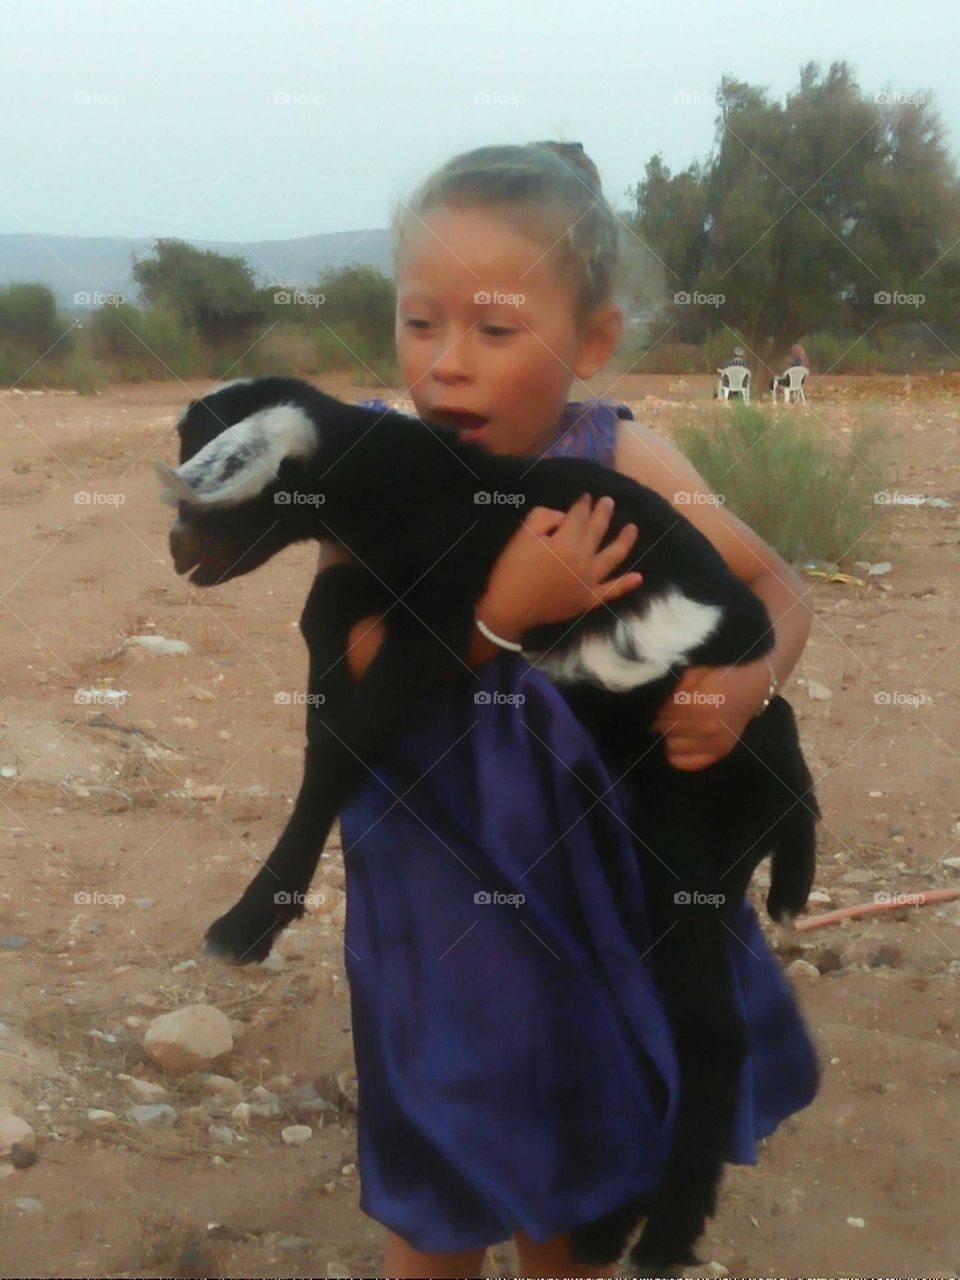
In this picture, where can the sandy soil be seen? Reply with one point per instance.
(125, 799)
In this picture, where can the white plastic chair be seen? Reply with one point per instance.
(796, 376)
(735, 380)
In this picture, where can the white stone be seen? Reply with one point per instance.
(188, 1039)
(818, 691)
(146, 1090)
(295, 1135)
(803, 969)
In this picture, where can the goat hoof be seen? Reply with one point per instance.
(241, 938)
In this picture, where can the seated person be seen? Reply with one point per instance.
(735, 359)
(797, 357)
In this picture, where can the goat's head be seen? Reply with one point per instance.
(239, 457)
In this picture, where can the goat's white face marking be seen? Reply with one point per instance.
(639, 647)
(242, 460)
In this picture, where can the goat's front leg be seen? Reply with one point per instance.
(341, 747)
(339, 597)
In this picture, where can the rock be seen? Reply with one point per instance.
(222, 1133)
(5, 1032)
(160, 644)
(295, 1135)
(12, 941)
(22, 1157)
(878, 569)
(221, 1087)
(28, 1205)
(185, 722)
(818, 896)
(189, 1038)
(952, 863)
(856, 1222)
(146, 1090)
(150, 1116)
(818, 691)
(803, 969)
(13, 1129)
(102, 1119)
(347, 1087)
(293, 1244)
(241, 1114)
(858, 876)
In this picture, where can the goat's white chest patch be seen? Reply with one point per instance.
(244, 459)
(637, 648)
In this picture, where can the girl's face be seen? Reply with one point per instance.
(485, 327)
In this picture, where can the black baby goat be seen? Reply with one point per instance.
(269, 462)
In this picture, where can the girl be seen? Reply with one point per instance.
(514, 1062)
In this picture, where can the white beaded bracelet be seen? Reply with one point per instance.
(495, 639)
(774, 684)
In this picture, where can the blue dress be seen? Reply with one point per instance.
(515, 1066)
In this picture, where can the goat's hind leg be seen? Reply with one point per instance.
(339, 597)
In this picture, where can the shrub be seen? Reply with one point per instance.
(806, 498)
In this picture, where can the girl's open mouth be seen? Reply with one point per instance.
(469, 426)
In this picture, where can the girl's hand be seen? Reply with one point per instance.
(551, 569)
(708, 710)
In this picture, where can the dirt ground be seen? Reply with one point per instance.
(168, 795)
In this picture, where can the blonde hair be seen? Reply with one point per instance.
(549, 191)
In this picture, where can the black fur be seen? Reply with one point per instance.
(400, 496)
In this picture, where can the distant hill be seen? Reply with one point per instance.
(91, 264)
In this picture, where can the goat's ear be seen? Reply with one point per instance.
(243, 460)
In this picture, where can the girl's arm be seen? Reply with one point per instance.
(703, 729)
(551, 569)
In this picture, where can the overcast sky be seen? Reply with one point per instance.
(268, 119)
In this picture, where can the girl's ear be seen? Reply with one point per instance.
(600, 337)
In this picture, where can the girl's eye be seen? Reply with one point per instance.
(417, 324)
(497, 331)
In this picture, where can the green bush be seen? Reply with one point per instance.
(807, 499)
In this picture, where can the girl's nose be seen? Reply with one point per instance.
(452, 364)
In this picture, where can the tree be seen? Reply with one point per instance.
(806, 211)
(212, 293)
